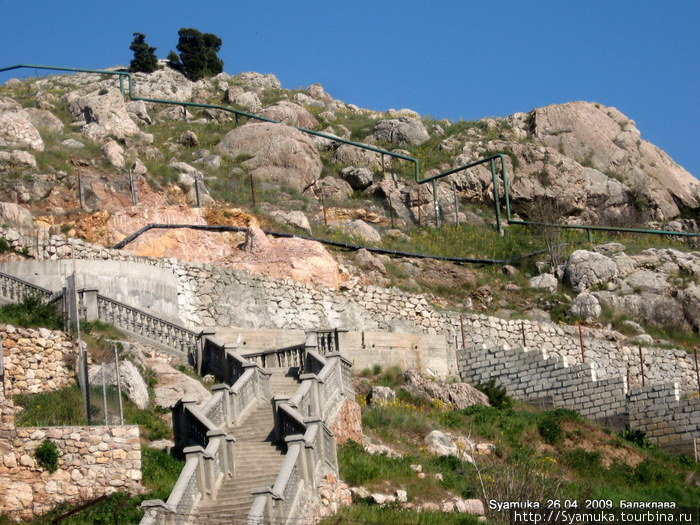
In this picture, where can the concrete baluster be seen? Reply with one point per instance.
(203, 480)
(230, 447)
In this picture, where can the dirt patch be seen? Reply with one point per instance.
(593, 439)
(336, 215)
(229, 217)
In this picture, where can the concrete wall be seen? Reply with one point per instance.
(417, 351)
(425, 353)
(142, 285)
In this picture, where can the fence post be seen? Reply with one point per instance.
(119, 385)
(641, 364)
(583, 349)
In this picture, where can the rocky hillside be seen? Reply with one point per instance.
(76, 156)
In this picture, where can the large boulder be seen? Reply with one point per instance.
(247, 100)
(296, 219)
(17, 131)
(361, 231)
(585, 306)
(130, 379)
(332, 188)
(291, 114)
(647, 281)
(16, 159)
(585, 269)
(172, 385)
(348, 155)
(256, 82)
(104, 114)
(461, 395)
(276, 153)
(44, 119)
(358, 178)
(380, 395)
(610, 142)
(545, 281)
(165, 84)
(15, 216)
(402, 132)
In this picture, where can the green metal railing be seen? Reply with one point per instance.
(491, 160)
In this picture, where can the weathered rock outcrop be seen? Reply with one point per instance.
(290, 113)
(104, 114)
(274, 152)
(656, 286)
(402, 132)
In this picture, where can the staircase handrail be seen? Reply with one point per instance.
(171, 334)
(29, 287)
(288, 356)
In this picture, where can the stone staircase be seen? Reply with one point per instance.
(258, 458)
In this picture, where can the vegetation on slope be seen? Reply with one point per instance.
(539, 455)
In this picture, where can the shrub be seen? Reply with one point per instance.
(47, 455)
(550, 430)
(636, 437)
(496, 394)
(582, 461)
(32, 312)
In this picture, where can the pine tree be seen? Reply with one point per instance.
(145, 60)
(174, 60)
(212, 44)
(198, 53)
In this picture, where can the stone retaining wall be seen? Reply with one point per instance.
(665, 418)
(36, 360)
(93, 461)
(533, 375)
(217, 296)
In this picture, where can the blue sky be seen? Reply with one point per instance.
(453, 59)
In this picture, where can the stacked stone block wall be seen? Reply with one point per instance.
(533, 375)
(36, 360)
(217, 296)
(667, 419)
(92, 461)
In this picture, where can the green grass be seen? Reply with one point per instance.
(358, 467)
(538, 455)
(374, 515)
(32, 312)
(65, 407)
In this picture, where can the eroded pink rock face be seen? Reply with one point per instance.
(183, 244)
(297, 259)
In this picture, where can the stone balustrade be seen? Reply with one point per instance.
(143, 324)
(16, 289)
(204, 471)
(311, 448)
